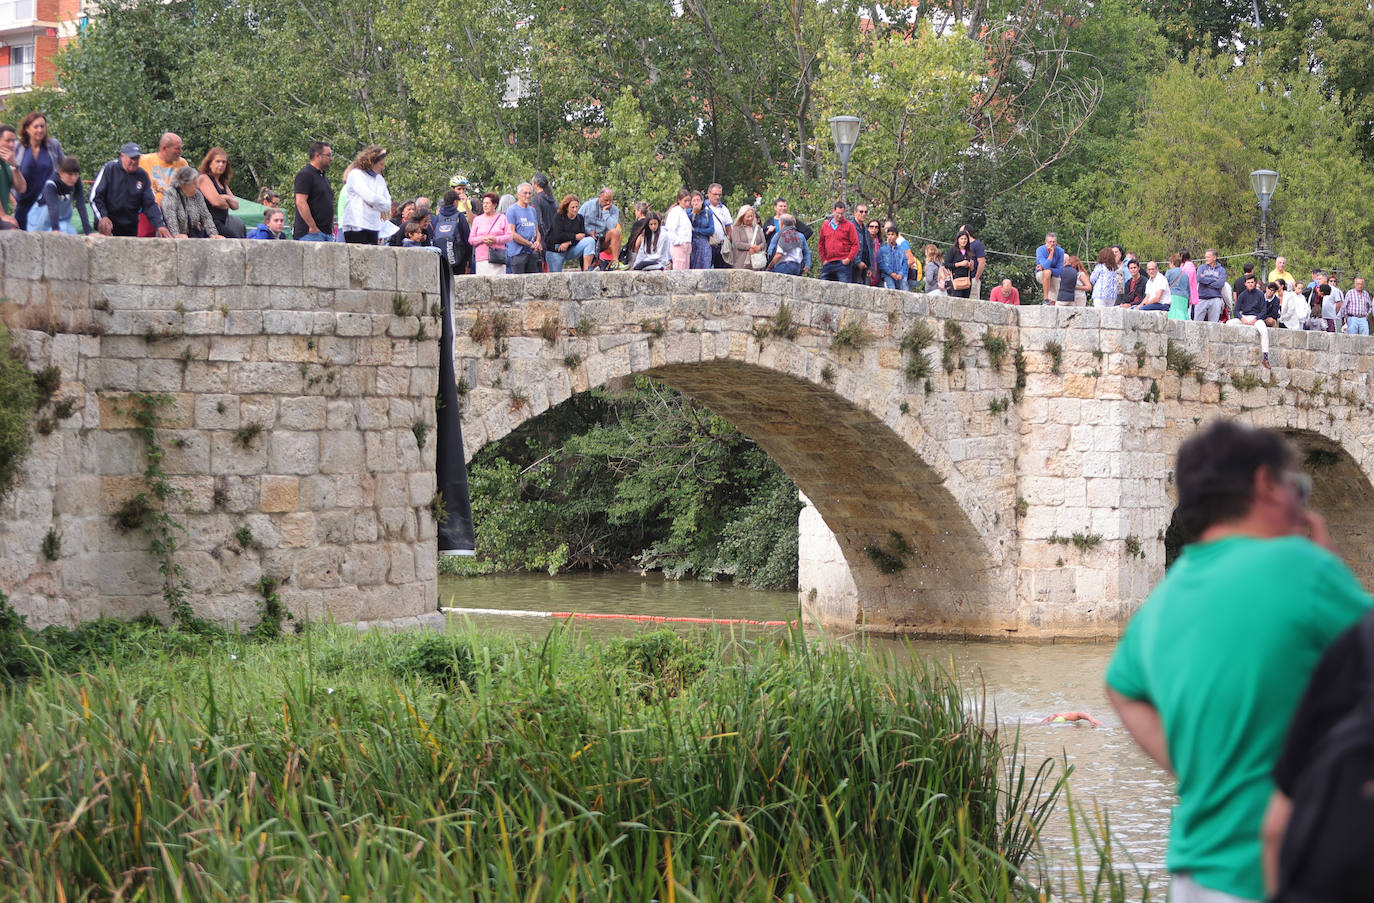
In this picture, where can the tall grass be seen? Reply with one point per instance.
(336, 766)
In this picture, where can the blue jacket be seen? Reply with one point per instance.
(261, 231)
(893, 259)
(1210, 280)
(703, 223)
(122, 196)
(1054, 264)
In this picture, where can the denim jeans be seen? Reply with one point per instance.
(889, 282)
(584, 248)
(314, 236)
(1357, 325)
(835, 271)
(788, 268)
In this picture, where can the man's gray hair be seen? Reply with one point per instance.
(1049, 235)
(714, 185)
(524, 185)
(787, 220)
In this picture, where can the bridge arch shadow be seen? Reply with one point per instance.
(871, 453)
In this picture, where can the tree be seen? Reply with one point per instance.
(912, 94)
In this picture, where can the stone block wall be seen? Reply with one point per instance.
(298, 425)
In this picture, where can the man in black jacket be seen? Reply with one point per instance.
(121, 192)
(1251, 307)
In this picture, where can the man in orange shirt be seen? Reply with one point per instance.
(159, 167)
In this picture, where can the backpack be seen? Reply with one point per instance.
(1326, 848)
(445, 231)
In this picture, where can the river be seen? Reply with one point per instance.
(1023, 684)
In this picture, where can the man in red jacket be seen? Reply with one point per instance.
(838, 244)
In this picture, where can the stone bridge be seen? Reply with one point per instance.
(1009, 475)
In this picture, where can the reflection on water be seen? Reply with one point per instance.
(1023, 683)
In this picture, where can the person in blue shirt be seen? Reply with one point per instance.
(525, 249)
(893, 263)
(1049, 264)
(57, 199)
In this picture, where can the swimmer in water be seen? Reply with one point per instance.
(1068, 717)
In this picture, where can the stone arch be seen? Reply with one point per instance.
(1342, 470)
(886, 463)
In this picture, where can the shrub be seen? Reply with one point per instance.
(17, 401)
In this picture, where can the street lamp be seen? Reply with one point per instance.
(844, 131)
(1264, 181)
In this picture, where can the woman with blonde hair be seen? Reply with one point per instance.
(936, 275)
(366, 198)
(746, 237)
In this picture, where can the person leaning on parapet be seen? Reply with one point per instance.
(1261, 579)
(789, 252)
(1156, 289)
(184, 209)
(160, 166)
(1006, 293)
(1211, 277)
(314, 197)
(122, 192)
(1049, 265)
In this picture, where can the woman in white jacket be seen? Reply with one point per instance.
(367, 202)
(677, 229)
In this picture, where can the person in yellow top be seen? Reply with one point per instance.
(1280, 271)
(159, 167)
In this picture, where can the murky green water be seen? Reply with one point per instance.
(1023, 683)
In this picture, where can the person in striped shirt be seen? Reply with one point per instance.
(1355, 308)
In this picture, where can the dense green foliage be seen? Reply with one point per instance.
(337, 765)
(646, 477)
(1015, 116)
(17, 399)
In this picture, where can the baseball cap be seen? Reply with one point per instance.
(131, 150)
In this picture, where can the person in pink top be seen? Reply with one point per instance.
(490, 231)
(1005, 293)
(1190, 270)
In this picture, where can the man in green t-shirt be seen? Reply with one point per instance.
(1209, 671)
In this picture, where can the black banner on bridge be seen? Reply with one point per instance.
(456, 536)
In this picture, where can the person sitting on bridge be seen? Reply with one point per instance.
(1251, 306)
(651, 245)
(788, 252)
(1049, 265)
(602, 219)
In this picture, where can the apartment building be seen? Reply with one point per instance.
(31, 33)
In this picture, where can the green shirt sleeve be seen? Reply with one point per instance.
(1124, 673)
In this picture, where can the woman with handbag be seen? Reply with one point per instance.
(488, 236)
(746, 237)
(961, 263)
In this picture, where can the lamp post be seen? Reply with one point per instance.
(844, 131)
(1264, 181)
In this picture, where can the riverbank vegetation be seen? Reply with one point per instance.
(642, 478)
(336, 765)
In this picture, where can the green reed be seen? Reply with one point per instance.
(338, 766)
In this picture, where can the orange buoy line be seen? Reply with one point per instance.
(591, 616)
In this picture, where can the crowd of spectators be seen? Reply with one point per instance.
(159, 193)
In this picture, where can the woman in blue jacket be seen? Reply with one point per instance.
(38, 158)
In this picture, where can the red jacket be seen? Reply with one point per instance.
(838, 244)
